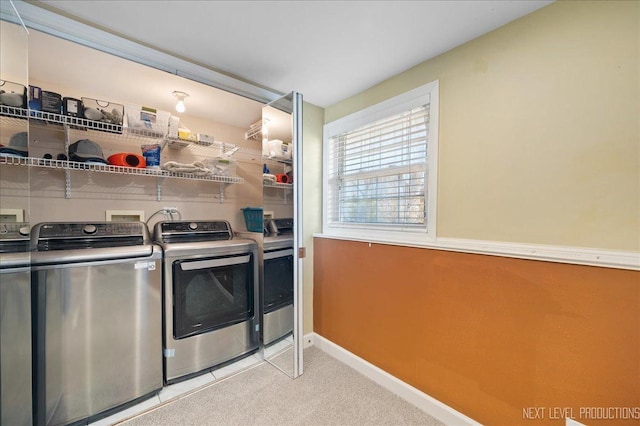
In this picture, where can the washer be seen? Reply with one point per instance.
(277, 286)
(15, 325)
(210, 296)
(98, 335)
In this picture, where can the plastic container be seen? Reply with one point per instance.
(221, 166)
(72, 107)
(151, 154)
(278, 149)
(146, 120)
(51, 102)
(104, 111)
(35, 98)
(13, 94)
(254, 219)
(174, 125)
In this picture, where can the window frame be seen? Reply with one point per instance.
(392, 106)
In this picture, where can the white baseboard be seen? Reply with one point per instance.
(426, 403)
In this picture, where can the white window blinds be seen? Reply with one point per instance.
(377, 174)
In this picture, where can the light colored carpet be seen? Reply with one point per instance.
(328, 393)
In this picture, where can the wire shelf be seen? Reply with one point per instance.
(10, 111)
(42, 117)
(74, 165)
(278, 160)
(105, 132)
(116, 134)
(176, 143)
(278, 185)
(255, 131)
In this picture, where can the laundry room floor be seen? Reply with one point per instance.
(328, 393)
(181, 389)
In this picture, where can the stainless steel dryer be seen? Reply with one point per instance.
(277, 285)
(210, 296)
(98, 345)
(15, 325)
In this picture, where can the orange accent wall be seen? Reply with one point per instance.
(489, 336)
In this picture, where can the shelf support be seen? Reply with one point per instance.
(159, 188)
(67, 172)
(67, 183)
(222, 187)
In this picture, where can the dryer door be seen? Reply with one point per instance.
(212, 293)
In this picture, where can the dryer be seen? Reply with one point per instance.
(210, 296)
(277, 286)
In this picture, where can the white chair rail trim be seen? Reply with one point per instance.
(548, 253)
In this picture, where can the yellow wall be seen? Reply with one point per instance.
(539, 143)
(539, 128)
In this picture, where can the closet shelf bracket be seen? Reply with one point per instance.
(159, 183)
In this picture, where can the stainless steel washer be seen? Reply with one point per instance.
(15, 325)
(210, 296)
(98, 345)
(277, 285)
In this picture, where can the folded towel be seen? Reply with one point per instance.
(195, 168)
(268, 178)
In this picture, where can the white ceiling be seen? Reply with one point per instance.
(79, 71)
(326, 50)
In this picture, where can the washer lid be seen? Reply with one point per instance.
(278, 242)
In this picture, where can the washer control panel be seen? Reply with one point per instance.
(102, 229)
(88, 235)
(188, 231)
(14, 231)
(14, 237)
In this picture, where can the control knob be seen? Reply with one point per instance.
(193, 226)
(89, 229)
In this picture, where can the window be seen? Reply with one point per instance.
(380, 169)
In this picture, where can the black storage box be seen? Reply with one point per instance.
(51, 102)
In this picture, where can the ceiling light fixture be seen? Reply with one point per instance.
(180, 97)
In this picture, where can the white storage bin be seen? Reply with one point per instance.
(146, 120)
(221, 166)
(278, 150)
